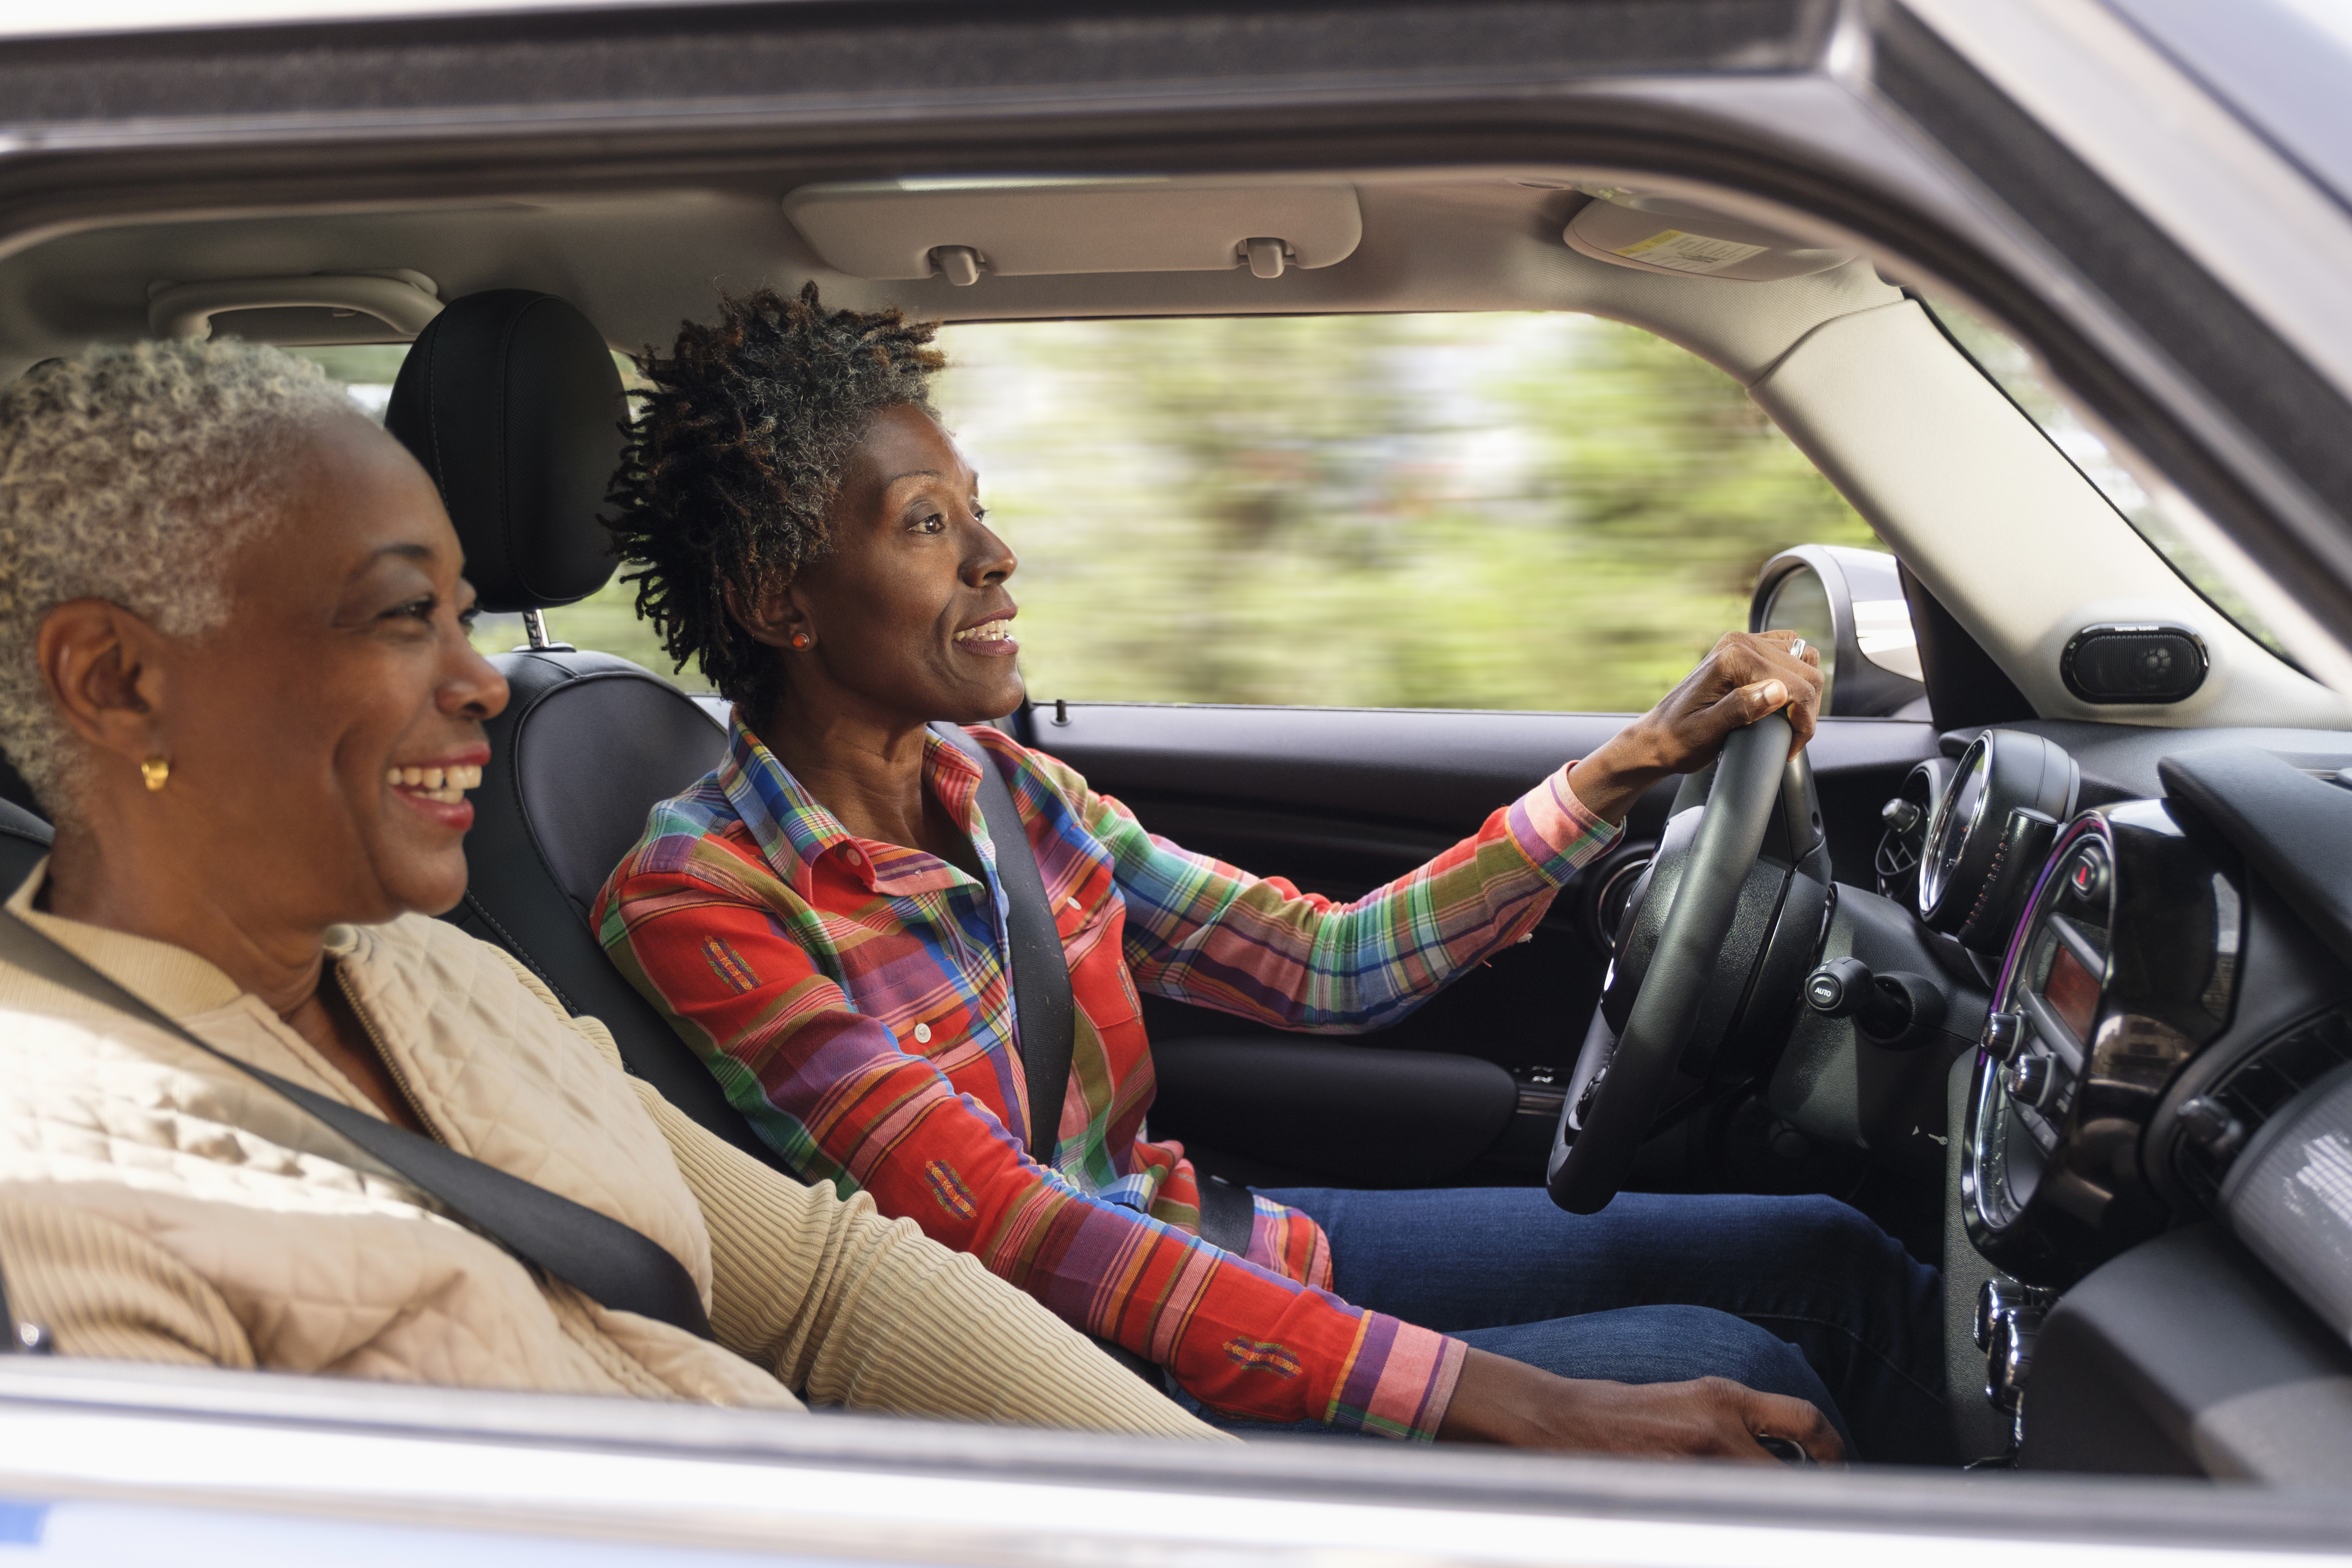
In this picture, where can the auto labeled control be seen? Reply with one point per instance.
(1895, 1009)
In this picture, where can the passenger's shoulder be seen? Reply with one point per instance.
(486, 981)
(479, 969)
(699, 833)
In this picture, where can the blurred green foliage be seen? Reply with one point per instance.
(1543, 512)
(1475, 510)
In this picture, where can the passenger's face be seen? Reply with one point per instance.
(908, 609)
(344, 675)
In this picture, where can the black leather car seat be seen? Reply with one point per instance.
(23, 839)
(511, 402)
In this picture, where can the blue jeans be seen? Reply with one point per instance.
(1799, 1296)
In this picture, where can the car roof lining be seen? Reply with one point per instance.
(638, 262)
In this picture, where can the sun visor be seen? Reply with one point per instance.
(1657, 233)
(892, 230)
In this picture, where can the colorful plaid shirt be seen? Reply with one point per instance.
(853, 999)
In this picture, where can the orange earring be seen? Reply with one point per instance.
(801, 639)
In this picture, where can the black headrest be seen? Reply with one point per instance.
(23, 839)
(510, 400)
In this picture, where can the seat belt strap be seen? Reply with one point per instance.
(1228, 1215)
(1044, 1015)
(612, 1264)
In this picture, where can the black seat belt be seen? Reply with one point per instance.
(1045, 1017)
(612, 1264)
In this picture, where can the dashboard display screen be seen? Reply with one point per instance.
(2072, 991)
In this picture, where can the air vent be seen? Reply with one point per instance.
(1609, 885)
(2254, 1090)
(1896, 864)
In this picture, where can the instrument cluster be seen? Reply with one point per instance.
(2168, 1034)
(2117, 937)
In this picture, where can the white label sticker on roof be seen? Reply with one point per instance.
(1688, 252)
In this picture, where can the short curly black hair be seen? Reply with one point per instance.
(736, 455)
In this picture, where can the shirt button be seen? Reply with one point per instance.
(852, 856)
(922, 1034)
(1074, 903)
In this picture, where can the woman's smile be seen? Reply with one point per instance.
(438, 788)
(992, 636)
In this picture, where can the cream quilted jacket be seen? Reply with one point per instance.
(157, 1205)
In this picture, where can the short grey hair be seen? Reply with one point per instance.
(131, 473)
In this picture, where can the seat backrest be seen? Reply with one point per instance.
(23, 839)
(511, 402)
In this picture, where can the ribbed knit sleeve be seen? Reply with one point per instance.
(847, 1308)
(105, 1292)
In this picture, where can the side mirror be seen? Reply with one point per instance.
(1848, 603)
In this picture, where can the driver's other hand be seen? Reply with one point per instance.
(1498, 1400)
(1748, 675)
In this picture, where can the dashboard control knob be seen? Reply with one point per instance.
(1828, 987)
(2207, 1122)
(1901, 814)
(2028, 1081)
(1890, 1010)
(2002, 1033)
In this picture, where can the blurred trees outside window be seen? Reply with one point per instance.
(1463, 511)
(1471, 510)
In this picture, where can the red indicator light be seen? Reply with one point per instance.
(2085, 877)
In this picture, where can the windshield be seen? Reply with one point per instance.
(2011, 366)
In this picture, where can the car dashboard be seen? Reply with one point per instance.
(2154, 1157)
(2122, 970)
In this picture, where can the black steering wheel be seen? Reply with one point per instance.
(1611, 1101)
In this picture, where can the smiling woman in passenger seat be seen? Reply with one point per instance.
(820, 919)
(233, 665)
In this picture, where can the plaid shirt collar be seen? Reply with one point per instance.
(795, 832)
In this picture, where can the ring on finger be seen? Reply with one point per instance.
(1797, 648)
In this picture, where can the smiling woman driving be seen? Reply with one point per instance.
(256, 1109)
(823, 921)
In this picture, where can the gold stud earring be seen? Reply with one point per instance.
(156, 771)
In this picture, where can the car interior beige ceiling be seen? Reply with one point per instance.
(636, 263)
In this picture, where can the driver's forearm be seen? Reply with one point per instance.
(1617, 773)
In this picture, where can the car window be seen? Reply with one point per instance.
(1460, 510)
(366, 370)
(2011, 367)
(606, 620)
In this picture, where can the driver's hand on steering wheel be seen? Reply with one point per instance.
(1498, 1400)
(1748, 675)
